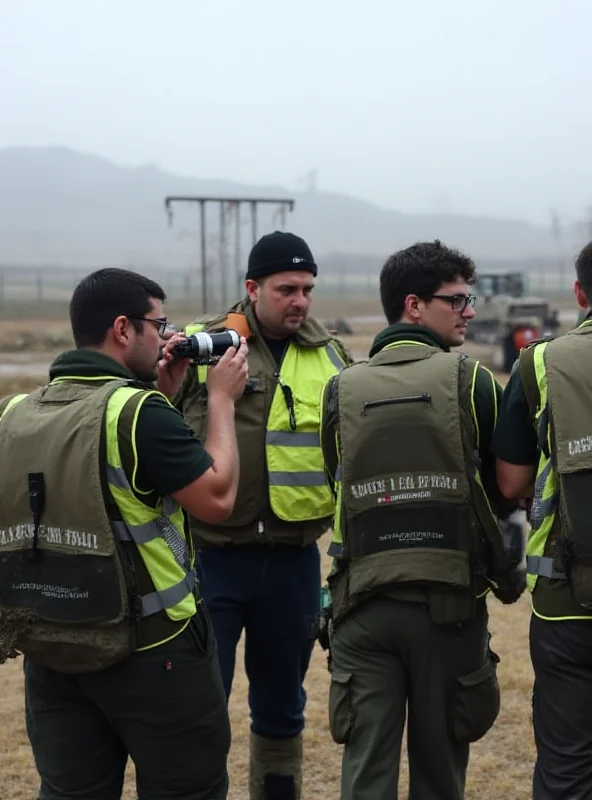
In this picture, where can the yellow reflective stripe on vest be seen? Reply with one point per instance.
(544, 503)
(335, 549)
(298, 487)
(12, 402)
(159, 534)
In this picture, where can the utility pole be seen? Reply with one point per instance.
(235, 203)
(557, 234)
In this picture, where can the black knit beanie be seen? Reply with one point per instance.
(279, 252)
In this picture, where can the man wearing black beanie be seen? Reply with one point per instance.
(260, 570)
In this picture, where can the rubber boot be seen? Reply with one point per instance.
(275, 768)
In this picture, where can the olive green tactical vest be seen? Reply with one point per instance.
(557, 380)
(277, 424)
(411, 507)
(88, 571)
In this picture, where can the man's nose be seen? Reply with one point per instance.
(300, 300)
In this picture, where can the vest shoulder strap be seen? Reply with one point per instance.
(126, 436)
(528, 377)
(9, 401)
(233, 320)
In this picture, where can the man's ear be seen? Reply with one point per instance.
(120, 330)
(581, 298)
(412, 307)
(252, 288)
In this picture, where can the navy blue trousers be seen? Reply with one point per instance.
(273, 593)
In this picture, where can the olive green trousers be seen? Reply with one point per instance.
(391, 662)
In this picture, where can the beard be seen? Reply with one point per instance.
(145, 373)
(147, 376)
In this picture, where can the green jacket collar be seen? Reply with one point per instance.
(311, 333)
(402, 331)
(86, 364)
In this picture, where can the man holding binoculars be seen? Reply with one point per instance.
(98, 581)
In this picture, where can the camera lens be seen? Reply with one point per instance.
(207, 347)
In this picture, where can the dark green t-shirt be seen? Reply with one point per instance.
(169, 455)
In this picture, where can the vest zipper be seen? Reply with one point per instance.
(424, 397)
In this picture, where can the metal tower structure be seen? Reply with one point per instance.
(229, 207)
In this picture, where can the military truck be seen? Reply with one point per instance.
(508, 318)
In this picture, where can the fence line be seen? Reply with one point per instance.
(36, 285)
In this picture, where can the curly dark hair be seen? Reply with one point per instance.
(421, 269)
(584, 270)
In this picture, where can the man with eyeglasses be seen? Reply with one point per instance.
(416, 544)
(98, 582)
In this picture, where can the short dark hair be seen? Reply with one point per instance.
(584, 270)
(103, 296)
(420, 269)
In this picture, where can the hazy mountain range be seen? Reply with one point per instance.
(59, 206)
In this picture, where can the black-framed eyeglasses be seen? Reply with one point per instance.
(162, 323)
(459, 302)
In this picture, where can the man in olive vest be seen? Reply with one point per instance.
(260, 569)
(97, 569)
(543, 445)
(416, 546)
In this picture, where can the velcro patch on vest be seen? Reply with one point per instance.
(391, 528)
(72, 588)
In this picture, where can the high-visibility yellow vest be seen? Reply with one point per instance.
(556, 379)
(298, 490)
(157, 532)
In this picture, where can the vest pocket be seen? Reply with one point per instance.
(476, 702)
(341, 715)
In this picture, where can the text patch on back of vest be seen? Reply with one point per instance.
(393, 528)
(62, 587)
(406, 486)
(60, 536)
(576, 447)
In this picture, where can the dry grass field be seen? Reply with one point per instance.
(501, 763)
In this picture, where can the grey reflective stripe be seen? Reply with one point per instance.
(138, 534)
(117, 476)
(297, 479)
(159, 601)
(549, 505)
(543, 566)
(293, 439)
(338, 473)
(334, 357)
(335, 550)
(169, 506)
(539, 507)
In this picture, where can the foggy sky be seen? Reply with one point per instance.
(478, 106)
